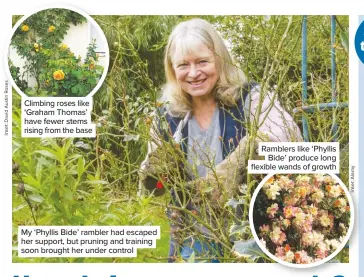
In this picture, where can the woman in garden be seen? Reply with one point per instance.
(202, 136)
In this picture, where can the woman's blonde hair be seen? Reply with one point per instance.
(231, 78)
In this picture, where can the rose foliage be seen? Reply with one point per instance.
(55, 68)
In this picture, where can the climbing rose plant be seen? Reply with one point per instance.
(301, 219)
(56, 69)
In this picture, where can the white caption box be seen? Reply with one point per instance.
(85, 241)
(297, 157)
(57, 117)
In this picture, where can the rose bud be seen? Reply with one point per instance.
(15, 167)
(20, 189)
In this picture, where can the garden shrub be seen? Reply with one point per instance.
(57, 71)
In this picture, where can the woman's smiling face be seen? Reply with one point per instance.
(195, 69)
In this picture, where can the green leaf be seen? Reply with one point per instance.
(96, 182)
(208, 189)
(165, 126)
(76, 220)
(67, 194)
(66, 147)
(91, 81)
(21, 206)
(136, 122)
(83, 145)
(73, 157)
(191, 258)
(55, 196)
(74, 89)
(130, 137)
(38, 171)
(30, 180)
(90, 177)
(344, 40)
(45, 162)
(80, 167)
(107, 216)
(36, 198)
(248, 249)
(76, 74)
(242, 228)
(82, 90)
(30, 188)
(233, 203)
(48, 153)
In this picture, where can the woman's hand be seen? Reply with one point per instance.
(162, 166)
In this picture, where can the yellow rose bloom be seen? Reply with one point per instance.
(36, 45)
(25, 28)
(58, 75)
(51, 28)
(63, 46)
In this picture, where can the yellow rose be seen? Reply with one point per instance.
(63, 46)
(36, 45)
(51, 28)
(58, 75)
(25, 28)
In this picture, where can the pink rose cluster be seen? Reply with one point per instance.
(306, 217)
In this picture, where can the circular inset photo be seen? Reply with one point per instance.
(57, 52)
(301, 220)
